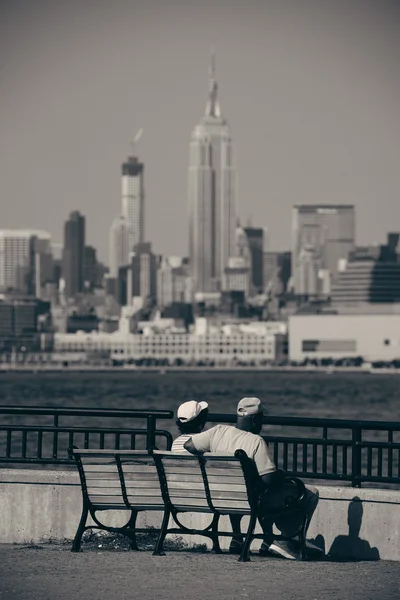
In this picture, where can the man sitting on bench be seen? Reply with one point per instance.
(245, 436)
(191, 419)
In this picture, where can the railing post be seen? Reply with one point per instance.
(55, 437)
(356, 457)
(151, 432)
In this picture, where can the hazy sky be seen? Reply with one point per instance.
(310, 88)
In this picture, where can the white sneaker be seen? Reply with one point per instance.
(283, 549)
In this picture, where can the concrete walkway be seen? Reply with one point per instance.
(52, 572)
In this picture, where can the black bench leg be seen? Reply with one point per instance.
(303, 539)
(159, 549)
(214, 530)
(76, 544)
(131, 526)
(244, 555)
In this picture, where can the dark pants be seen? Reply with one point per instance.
(289, 525)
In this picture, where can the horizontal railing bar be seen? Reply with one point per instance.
(67, 429)
(213, 417)
(311, 475)
(89, 412)
(34, 460)
(313, 422)
(294, 440)
(393, 445)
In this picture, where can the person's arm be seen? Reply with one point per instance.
(200, 442)
(267, 470)
(190, 447)
(274, 478)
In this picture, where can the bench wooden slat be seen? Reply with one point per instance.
(189, 493)
(185, 478)
(231, 472)
(95, 484)
(150, 476)
(186, 502)
(92, 468)
(143, 469)
(101, 476)
(142, 484)
(106, 492)
(228, 494)
(111, 507)
(186, 485)
(225, 481)
(103, 499)
(144, 492)
(238, 504)
(144, 500)
(172, 470)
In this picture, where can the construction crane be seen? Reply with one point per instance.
(136, 139)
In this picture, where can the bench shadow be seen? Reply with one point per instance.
(349, 548)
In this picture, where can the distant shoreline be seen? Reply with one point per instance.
(163, 370)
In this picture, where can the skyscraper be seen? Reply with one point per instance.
(324, 231)
(119, 244)
(73, 254)
(212, 196)
(17, 258)
(144, 272)
(132, 185)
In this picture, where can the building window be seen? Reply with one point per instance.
(329, 346)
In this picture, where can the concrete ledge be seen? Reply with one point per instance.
(348, 523)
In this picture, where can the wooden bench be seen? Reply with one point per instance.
(173, 483)
(102, 489)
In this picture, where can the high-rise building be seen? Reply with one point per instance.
(325, 231)
(132, 188)
(307, 268)
(277, 271)
(119, 244)
(173, 283)
(17, 258)
(370, 277)
(73, 254)
(90, 267)
(365, 282)
(212, 196)
(237, 276)
(144, 272)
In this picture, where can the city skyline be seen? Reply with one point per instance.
(312, 96)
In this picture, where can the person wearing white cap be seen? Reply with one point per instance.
(191, 418)
(245, 436)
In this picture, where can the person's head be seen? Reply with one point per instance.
(192, 416)
(249, 415)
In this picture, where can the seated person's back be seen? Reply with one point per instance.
(226, 439)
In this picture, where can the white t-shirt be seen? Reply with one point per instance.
(227, 439)
(178, 444)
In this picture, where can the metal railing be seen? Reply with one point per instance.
(312, 448)
(48, 442)
(333, 449)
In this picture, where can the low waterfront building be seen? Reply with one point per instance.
(374, 337)
(188, 348)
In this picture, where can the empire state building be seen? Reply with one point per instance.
(212, 196)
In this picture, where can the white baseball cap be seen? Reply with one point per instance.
(190, 410)
(249, 406)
